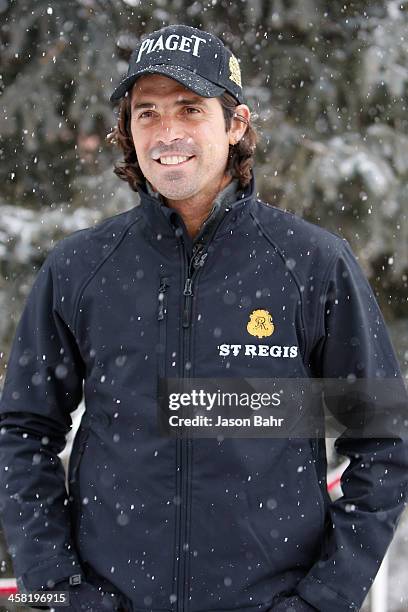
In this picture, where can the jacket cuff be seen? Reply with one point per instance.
(320, 593)
(293, 604)
(45, 575)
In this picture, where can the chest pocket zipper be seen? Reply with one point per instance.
(162, 319)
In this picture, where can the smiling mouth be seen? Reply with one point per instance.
(174, 160)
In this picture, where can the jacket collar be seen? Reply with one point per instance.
(163, 223)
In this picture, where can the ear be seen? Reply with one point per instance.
(239, 124)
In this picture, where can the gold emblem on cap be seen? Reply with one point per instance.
(260, 324)
(235, 70)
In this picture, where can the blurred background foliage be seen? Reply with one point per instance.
(326, 79)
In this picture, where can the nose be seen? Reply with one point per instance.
(169, 130)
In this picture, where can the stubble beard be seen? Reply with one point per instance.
(175, 186)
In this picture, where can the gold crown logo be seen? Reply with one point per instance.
(235, 70)
(260, 324)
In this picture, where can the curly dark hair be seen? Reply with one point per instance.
(241, 155)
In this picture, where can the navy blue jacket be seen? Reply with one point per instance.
(193, 524)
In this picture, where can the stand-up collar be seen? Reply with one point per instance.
(164, 222)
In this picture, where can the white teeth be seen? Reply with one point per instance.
(173, 160)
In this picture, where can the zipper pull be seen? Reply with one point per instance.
(162, 291)
(188, 292)
(188, 287)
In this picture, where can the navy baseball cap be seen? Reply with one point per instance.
(198, 60)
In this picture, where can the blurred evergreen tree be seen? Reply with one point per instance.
(328, 81)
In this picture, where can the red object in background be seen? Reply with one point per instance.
(333, 483)
(7, 586)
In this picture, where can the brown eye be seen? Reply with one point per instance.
(145, 115)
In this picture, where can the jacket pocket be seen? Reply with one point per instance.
(287, 514)
(77, 452)
(256, 535)
(322, 496)
(122, 603)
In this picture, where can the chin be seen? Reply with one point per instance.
(174, 192)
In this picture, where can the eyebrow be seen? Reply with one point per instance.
(181, 102)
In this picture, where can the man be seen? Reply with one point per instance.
(172, 288)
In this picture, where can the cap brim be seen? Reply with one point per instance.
(189, 79)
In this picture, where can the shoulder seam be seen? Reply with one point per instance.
(291, 272)
(93, 272)
(309, 339)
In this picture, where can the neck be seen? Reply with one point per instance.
(196, 209)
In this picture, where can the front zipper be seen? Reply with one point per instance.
(192, 269)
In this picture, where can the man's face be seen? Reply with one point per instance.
(180, 138)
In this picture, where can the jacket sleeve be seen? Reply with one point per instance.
(43, 385)
(352, 341)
